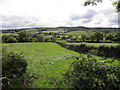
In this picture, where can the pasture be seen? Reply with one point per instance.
(79, 33)
(47, 60)
(95, 44)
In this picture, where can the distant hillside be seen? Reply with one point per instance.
(79, 28)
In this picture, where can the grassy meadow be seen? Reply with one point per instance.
(95, 44)
(47, 60)
(44, 59)
(49, 52)
(79, 33)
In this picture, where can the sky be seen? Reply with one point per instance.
(56, 13)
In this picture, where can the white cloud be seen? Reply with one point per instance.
(54, 13)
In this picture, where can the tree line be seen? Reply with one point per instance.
(25, 36)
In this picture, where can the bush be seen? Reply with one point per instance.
(24, 36)
(40, 38)
(109, 51)
(14, 70)
(104, 51)
(89, 74)
(8, 39)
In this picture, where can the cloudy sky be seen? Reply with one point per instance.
(55, 13)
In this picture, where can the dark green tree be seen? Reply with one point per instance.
(98, 36)
(24, 36)
(8, 39)
(40, 38)
(83, 37)
(117, 37)
(92, 37)
(109, 37)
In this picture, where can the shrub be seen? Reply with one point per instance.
(8, 39)
(40, 38)
(89, 74)
(24, 36)
(14, 70)
(109, 51)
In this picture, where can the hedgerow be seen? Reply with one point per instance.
(90, 74)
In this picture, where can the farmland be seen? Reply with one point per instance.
(49, 52)
(95, 44)
(50, 55)
(46, 59)
(79, 33)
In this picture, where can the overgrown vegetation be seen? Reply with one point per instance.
(14, 74)
(102, 50)
(89, 73)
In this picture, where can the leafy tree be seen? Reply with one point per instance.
(40, 38)
(53, 39)
(109, 37)
(83, 37)
(117, 5)
(8, 39)
(92, 37)
(98, 36)
(117, 37)
(24, 36)
(95, 2)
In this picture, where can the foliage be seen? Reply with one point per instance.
(117, 37)
(100, 50)
(109, 37)
(98, 36)
(23, 36)
(8, 39)
(83, 37)
(95, 2)
(92, 37)
(14, 70)
(90, 74)
(117, 5)
(38, 38)
(109, 51)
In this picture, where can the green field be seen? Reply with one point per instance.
(95, 44)
(47, 60)
(52, 31)
(79, 33)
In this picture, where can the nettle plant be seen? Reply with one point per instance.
(89, 73)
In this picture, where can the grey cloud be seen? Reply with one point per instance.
(75, 17)
(17, 22)
(107, 11)
(114, 19)
(85, 20)
(89, 14)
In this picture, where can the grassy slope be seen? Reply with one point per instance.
(79, 33)
(95, 44)
(48, 55)
(46, 59)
